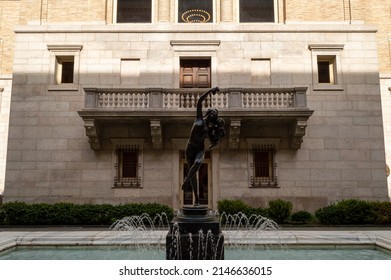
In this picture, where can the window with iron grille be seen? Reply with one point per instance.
(263, 166)
(127, 166)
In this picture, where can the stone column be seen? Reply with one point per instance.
(164, 10)
(226, 10)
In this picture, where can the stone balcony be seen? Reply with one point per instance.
(272, 106)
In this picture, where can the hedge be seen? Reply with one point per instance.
(278, 210)
(355, 212)
(21, 213)
(345, 212)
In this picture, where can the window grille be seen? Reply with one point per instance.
(263, 166)
(127, 166)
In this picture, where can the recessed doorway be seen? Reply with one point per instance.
(195, 73)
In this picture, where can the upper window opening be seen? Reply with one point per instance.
(65, 69)
(326, 69)
(256, 10)
(195, 11)
(134, 11)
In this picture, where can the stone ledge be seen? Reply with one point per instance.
(305, 27)
(8, 239)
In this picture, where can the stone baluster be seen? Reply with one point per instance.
(140, 100)
(183, 101)
(192, 101)
(176, 100)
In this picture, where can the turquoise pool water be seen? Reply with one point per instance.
(104, 253)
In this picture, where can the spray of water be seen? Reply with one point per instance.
(239, 232)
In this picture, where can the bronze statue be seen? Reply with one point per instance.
(210, 126)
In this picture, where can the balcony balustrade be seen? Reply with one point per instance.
(186, 99)
(234, 104)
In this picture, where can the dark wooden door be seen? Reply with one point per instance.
(195, 73)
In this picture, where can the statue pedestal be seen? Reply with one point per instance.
(195, 235)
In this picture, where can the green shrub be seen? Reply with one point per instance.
(381, 212)
(237, 212)
(302, 217)
(279, 210)
(346, 212)
(21, 213)
(14, 213)
(232, 206)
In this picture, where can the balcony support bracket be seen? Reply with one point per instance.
(298, 132)
(234, 134)
(92, 134)
(156, 133)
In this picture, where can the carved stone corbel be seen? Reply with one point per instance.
(298, 132)
(156, 133)
(234, 134)
(92, 134)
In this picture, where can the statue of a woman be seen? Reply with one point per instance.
(210, 126)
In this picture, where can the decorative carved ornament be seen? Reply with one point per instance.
(156, 133)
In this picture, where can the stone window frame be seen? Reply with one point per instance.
(132, 145)
(330, 52)
(195, 49)
(58, 52)
(270, 145)
(275, 7)
(115, 5)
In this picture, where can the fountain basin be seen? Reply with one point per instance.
(286, 238)
(194, 235)
(158, 253)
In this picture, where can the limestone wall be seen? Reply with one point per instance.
(342, 154)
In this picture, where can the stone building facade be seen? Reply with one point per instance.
(103, 96)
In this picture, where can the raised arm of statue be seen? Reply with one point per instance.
(202, 98)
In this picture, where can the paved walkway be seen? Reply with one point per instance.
(90, 237)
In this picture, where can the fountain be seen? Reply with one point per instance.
(194, 234)
(201, 240)
(250, 237)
